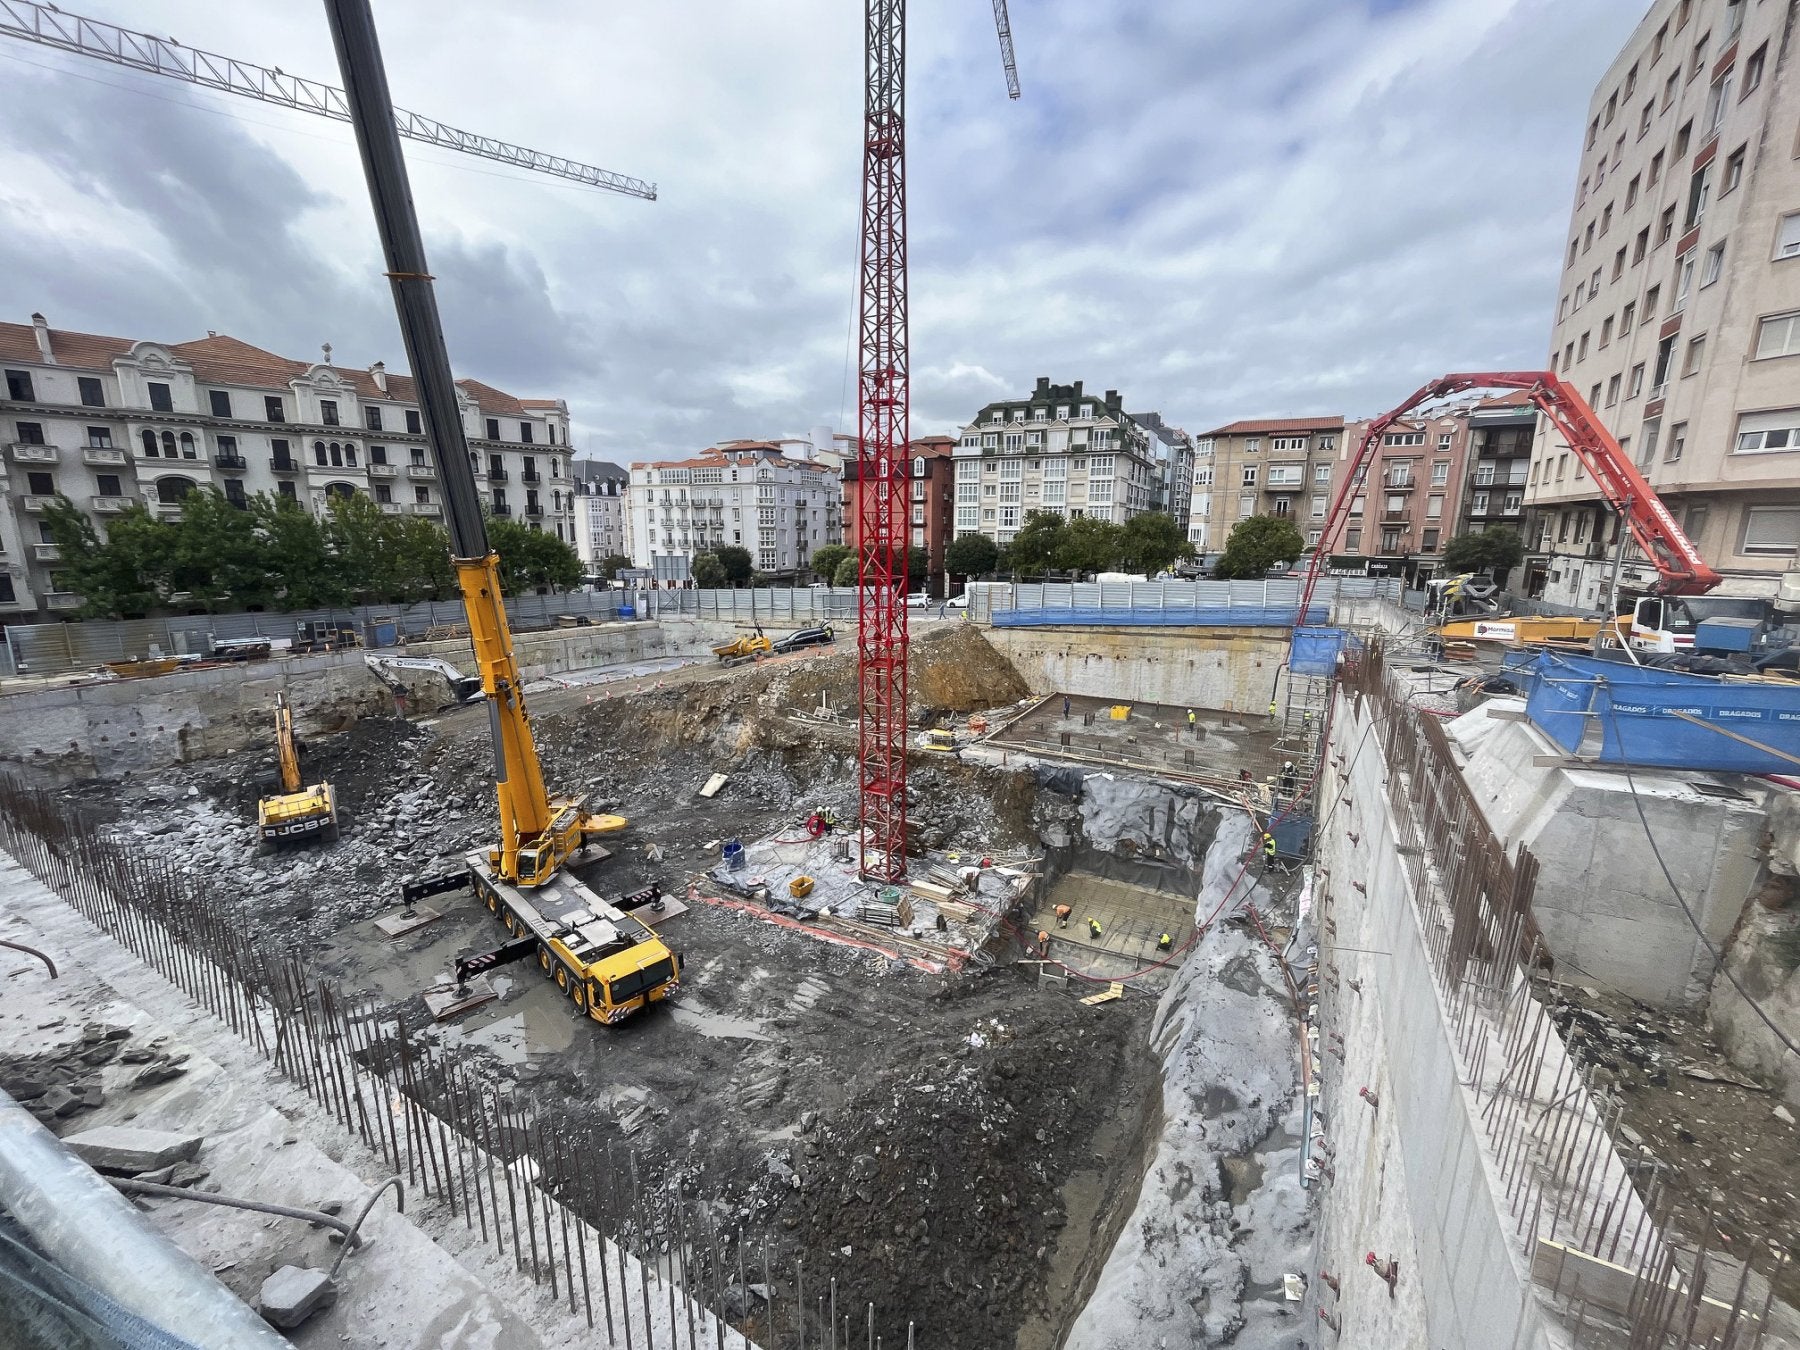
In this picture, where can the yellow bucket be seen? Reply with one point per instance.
(800, 887)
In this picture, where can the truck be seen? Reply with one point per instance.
(609, 964)
(290, 812)
(744, 647)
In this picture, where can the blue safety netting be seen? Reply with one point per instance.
(1315, 651)
(1643, 715)
(1243, 616)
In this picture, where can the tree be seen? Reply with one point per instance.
(708, 572)
(736, 562)
(971, 555)
(362, 540)
(1151, 543)
(613, 564)
(918, 565)
(1496, 549)
(297, 553)
(1038, 544)
(532, 560)
(421, 559)
(826, 559)
(1090, 545)
(1256, 544)
(845, 575)
(218, 555)
(127, 575)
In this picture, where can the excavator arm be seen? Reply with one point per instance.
(1680, 568)
(287, 749)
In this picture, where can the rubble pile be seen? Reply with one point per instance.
(57, 1085)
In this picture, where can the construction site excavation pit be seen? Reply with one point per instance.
(894, 1089)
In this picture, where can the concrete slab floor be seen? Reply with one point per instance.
(1131, 918)
(1152, 736)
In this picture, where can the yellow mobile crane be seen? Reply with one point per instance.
(607, 960)
(297, 814)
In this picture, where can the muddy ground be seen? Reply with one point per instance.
(948, 1148)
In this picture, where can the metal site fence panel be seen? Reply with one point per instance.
(577, 1211)
(1596, 1230)
(56, 648)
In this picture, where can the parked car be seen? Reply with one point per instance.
(958, 601)
(920, 600)
(804, 637)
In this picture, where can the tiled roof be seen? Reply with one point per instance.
(597, 470)
(83, 351)
(1277, 425)
(224, 359)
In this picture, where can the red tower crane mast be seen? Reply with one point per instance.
(882, 417)
(1681, 569)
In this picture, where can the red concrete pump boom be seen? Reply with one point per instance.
(1681, 569)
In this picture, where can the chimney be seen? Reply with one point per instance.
(212, 332)
(1043, 387)
(42, 332)
(1077, 394)
(378, 373)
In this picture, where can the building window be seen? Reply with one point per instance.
(421, 495)
(1665, 226)
(1249, 479)
(1636, 384)
(1626, 316)
(18, 386)
(1651, 296)
(319, 456)
(160, 399)
(1440, 472)
(1772, 530)
(149, 440)
(1352, 540)
(1677, 443)
(413, 427)
(99, 438)
(1581, 348)
(1696, 351)
(1684, 280)
(32, 433)
(383, 493)
(1612, 391)
(1714, 264)
(1699, 189)
(1246, 504)
(1787, 237)
(525, 433)
(1763, 433)
(1753, 70)
(1778, 335)
(93, 395)
(1734, 171)
(1718, 98)
(373, 418)
(328, 412)
(1321, 473)
(1418, 437)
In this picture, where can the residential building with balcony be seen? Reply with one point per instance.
(739, 493)
(1061, 450)
(1679, 308)
(111, 422)
(1501, 432)
(601, 488)
(1172, 453)
(1277, 466)
(930, 502)
(1405, 501)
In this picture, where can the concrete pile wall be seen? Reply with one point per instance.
(113, 727)
(1229, 669)
(1412, 1179)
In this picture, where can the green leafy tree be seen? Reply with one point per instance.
(736, 562)
(532, 560)
(708, 571)
(1256, 544)
(826, 558)
(124, 576)
(421, 558)
(1496, 549)
(918, 566)
(1152, 542)
(1038, 544)
(1090, 545)
(613, 564)
(362, 540)
(845, 575)
(971, 555)
(298, 554)
(218, 557)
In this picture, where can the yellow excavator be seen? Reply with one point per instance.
(296, 814)
(601, 954)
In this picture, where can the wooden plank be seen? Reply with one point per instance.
(1576, 1275)
(713, 785)
(449, 1000)
(1111, 992)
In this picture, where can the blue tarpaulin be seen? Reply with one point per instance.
(1643, 715)
(1315, 650)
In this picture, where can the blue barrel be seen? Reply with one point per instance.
(734, 856)
(628, 611)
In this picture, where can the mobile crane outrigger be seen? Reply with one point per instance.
(607, 960)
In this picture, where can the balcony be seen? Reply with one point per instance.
(166, 510)
(528, 476)
(35, 503)
(389, 508)
(22, 452)
(384, 470)
(280, 465)
(236, 462)
(110, 506)
(421, 471)
(426, 509)
(104, 455)
(1400, 518)
(1399, 484)
(501, 509)
(498, 473)
(62, 600)
(534, 509)
(46, 553)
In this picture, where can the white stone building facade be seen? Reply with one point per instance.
(743, 494)
(601, 489)
(110, 422)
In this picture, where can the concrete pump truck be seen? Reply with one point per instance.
(603, 957)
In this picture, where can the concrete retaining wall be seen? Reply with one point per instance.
(1413, 1179)
(112, 727)
(1229, 669)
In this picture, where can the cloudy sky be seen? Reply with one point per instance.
(1222, 209)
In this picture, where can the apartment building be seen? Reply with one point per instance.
(1172, 453)
(1277, 466)
(1501, 432)
(600, 491)
(1405, 501)
(930, 493)
(1679, 311)
(745, 494)
(1061, 450)
(110, 422)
